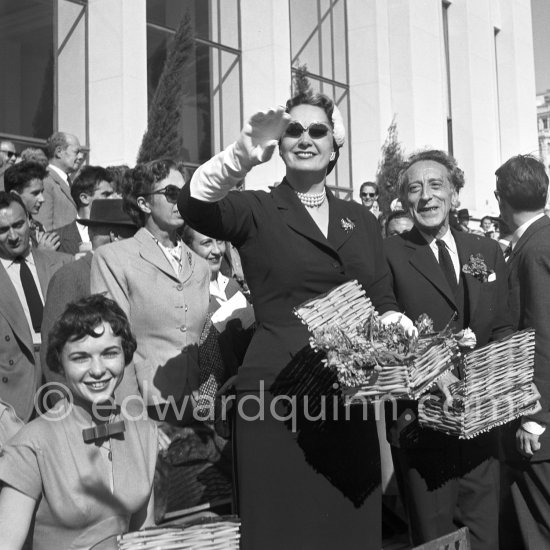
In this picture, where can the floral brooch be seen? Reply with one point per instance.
(477, 268)
(347, 225)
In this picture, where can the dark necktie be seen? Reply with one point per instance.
(446, 264)
(508, 252)
(32, 295)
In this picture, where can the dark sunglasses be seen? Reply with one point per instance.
(316, 130)
(171, 192)
(370, 195)
(10, 153)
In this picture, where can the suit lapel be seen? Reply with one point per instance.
(151, 252)
(341, 221)
(296, 217)
(43, 265)
(12, 310)
(465, 250)
(64, 187)
(423, 260)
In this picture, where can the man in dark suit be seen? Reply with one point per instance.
(92, 182)
(521, 189)
(59, 208)
(24, 276)
(445, 482)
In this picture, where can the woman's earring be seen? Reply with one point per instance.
(332, 156)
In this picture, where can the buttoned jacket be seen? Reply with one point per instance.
(167, 313)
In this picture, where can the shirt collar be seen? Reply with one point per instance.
(9, 262)
(448, 239)
(218, 289)
(523, 228)
(59, 172)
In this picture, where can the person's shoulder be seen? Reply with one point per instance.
(398, 242)
(58, 258)
(118, 249)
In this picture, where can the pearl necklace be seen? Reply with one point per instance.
(314, 200)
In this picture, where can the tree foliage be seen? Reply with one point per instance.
(388, 168)
(300, 82)
(163, 137)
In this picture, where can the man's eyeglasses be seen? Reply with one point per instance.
(369, 195)
(316, 130)
(9, 153)
(171, 192)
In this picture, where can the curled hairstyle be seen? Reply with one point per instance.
(87, 181)
(81, 319)
(18, 176)
(139, 181)
(523, 183)
(456, 175)
(323, 102)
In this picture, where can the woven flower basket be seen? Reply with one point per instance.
(365, 368)
(496, 388)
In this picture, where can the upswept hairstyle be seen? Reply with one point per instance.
(87, 181)
(325, 103)
(456, 175)
(523, 183)
(140, 181)
(18, 176)
(80, 319)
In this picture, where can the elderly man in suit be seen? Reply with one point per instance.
(24, 276)
(446, 483)
(521, 189)
(59, 207)
(92, 182)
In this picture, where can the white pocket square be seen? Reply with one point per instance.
(492, 277)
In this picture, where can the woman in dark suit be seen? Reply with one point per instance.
(296, 242)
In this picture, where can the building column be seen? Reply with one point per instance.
(117, 53)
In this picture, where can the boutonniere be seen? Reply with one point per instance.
(477, 268)
(347, 225)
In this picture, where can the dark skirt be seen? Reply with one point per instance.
(316, 486)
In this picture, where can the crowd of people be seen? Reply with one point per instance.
(146, 319)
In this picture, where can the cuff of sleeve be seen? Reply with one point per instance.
(215, 178)
(532, 427)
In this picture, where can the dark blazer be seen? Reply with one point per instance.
(58, 208)
(529, 288)
(420, 287)
(20, 375)
(287, 260)
(69, 238)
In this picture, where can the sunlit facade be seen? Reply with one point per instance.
(456, 75)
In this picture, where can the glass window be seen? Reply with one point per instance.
(317, 34)
(211, 113)
(27, 68)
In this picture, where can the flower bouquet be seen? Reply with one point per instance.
(373, 360)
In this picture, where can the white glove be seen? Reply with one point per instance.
(212, 181)
(260, 136)
(395, 317)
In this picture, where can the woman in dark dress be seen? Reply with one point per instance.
(318, 487)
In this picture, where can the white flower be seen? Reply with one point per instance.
(338, 132)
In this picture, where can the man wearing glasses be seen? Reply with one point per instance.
(8, 156)
(369, 197)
